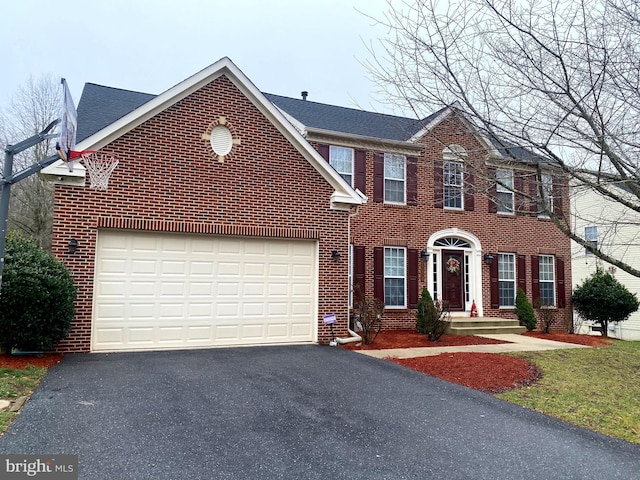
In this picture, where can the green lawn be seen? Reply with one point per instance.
(15, 383)
(596, 388)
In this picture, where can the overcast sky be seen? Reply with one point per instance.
(283, 46)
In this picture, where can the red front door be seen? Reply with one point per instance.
(453, 279)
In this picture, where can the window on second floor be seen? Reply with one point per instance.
(394, 178)
(546, 187)
(341, 158)
(452, 176)
(591, 237)
(504, 190)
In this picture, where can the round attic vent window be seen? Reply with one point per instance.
(221, 140)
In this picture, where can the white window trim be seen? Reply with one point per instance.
(502, 189)
(446, 185)
(404, 305)
(546, 187)
(553, 281)
(404, 179)
(590, 239)
(352, 173)
(513, 280)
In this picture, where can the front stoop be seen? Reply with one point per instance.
(483, 326)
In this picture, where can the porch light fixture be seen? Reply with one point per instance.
(424, 255)
(488, 258)
(335, 255)
(73, 246)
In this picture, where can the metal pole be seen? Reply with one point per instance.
(8, 178)
(4, 206)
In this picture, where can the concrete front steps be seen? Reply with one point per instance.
(483, 326)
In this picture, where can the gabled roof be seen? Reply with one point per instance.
(115, 112)
(348, 120)
(99, 106)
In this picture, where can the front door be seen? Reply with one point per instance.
(453, 279)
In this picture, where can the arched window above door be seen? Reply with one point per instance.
(451, 242)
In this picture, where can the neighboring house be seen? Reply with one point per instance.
(615, 230)
(191, 249)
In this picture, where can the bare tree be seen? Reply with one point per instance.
(559, 79)
(30, 110)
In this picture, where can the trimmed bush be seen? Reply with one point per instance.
(602, 299)
(524, 310)
(37, 297)
(431, 318)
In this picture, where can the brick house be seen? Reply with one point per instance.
(237, 217)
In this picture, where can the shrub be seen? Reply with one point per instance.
(602, 299)
(524, 310)
(431, 318)
(36, 301)
(367, 316)
(546, 315)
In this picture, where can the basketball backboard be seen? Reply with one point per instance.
(68, 126)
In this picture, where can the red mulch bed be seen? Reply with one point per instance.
(487, 372)
(410, 338)
(588, 340)
(21, 361)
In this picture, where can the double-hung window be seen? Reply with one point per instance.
(504, 190)
(591, 237)
(341, 159)
(546, 186)
(507, 279)
(395, 276)
(547, 281)
(395, 168)
(452, 183)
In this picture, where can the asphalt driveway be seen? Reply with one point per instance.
(300, 412)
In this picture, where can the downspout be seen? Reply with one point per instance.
(354, 337)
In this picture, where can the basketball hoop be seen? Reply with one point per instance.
(100, 165)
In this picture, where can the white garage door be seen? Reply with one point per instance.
(168, 291)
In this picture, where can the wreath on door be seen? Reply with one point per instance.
(452, 265)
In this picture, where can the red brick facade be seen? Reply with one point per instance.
(169, 181)
(525, 235)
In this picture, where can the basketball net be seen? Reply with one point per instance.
(100, 165)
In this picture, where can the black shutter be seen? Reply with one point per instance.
(558, 192)
(378, 177)
(493, 191)
(560, 286)
(438, 184)
(469, 189)
(518, 184)
(535, 279)
(412, 277)
(494, 286)
(323, 150)
(360, 171)
(412, 181)
(533, 193)
(359, 267)
(522, 272)
(378, 273)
